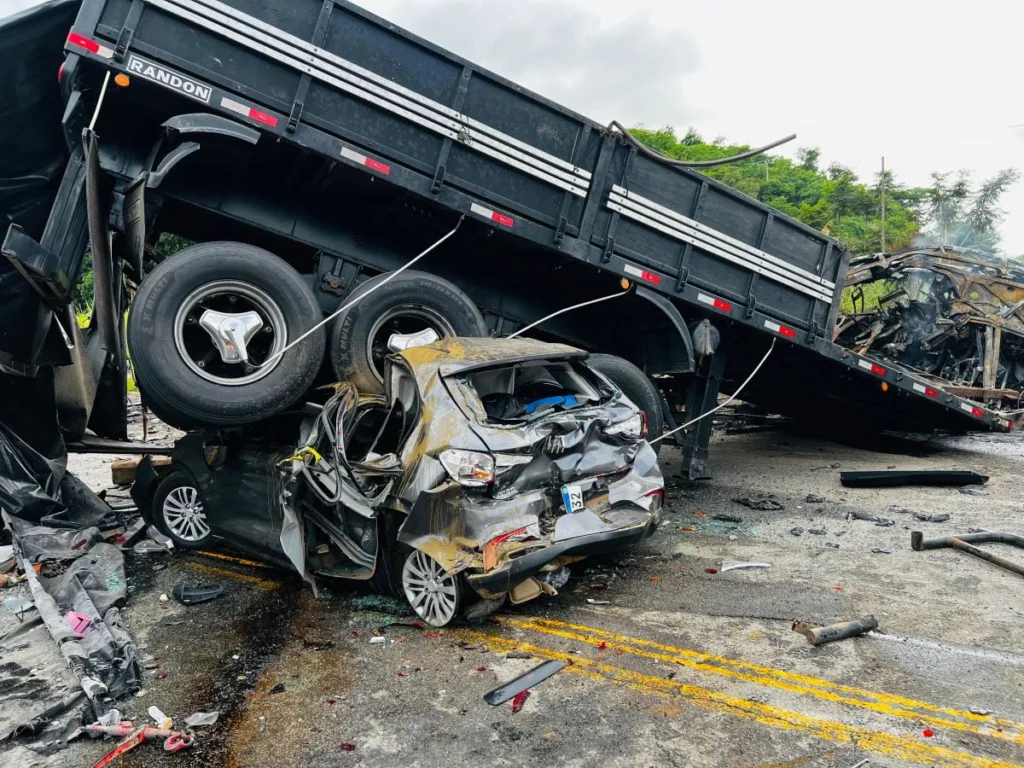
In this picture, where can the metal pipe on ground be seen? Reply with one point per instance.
(966, 542)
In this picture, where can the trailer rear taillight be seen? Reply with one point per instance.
(926, 391)
(711, 301)
(976, 412)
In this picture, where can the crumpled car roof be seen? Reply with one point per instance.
(452, 356)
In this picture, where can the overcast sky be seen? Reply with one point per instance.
(930, 84)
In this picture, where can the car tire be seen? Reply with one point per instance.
(182, 376)
(179, 511)
(411, 302)
(635, 385)
(439, 604)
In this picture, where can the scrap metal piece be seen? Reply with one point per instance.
(524, 682)
(735, 566)
(834, 632)
(899, 479)
(966, 542)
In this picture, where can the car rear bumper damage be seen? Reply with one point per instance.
(513, 572)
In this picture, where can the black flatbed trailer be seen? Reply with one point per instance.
(359, 137)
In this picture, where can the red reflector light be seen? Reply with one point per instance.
(789, 333)
(83, 42)
(378, 166)
(978, 413)
(651, 278)
(724, 306)
(263, 117)
(878, 370)
(931, 392)
(505, 221)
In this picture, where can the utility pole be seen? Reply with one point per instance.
(883, 205)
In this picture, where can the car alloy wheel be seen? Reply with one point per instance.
(184, 515)
(432, 592)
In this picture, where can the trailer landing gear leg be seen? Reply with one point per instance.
(701, 397)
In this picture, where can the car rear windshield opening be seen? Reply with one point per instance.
(528, 391)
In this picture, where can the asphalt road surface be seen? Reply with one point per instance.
(684, 666)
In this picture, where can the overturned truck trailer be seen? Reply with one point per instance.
(309, 149)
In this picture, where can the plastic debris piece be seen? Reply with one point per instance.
(347, 747)
(931, 518)
(524, 682)
(832, 545)
(164, 598)
(603, 646)
(817, 531)
(762, 503)
(147, 547)
(279, 688)
(200, 719)
(19, 606)
(813, 499)
(727, 518)
(519, 701)
(591, 601)
(263, 723)
(711, 571)
(797, 531)
(977, 711)
(378, 640)
(879, 551)
(518, 655)
(78, 622)
(161, 720)
(110, 717)
(193, 595)
(736, 566)
(481, 669)
(927, 733)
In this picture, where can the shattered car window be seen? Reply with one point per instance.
(528, 391)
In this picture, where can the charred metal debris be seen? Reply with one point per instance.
(951, 315)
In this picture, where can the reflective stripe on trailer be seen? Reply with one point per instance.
(487, 213)
(973, 410)
(928, 391)
(870, 367)
(782, 330)
(370, 87)
(369, 162)
(649, 277)
(246, 111)
(711, 301)
(90, 45)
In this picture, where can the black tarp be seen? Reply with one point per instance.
(33, 152)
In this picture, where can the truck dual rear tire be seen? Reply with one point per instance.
(635, 385)
(410, 303)
(205, 322)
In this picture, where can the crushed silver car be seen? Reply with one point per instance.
(486, 468)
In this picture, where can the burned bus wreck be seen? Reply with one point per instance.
(949, 314)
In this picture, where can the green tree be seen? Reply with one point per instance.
(964, 216)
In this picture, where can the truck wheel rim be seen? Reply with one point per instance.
(402, 321)
(431, 592)
(184, 514)
(230, 301)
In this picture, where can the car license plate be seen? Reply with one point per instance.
(572, 498)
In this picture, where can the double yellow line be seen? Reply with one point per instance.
(910, 748)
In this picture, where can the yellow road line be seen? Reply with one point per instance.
(885, 703)
(239, 560)
(267, 585)
(897, 747)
